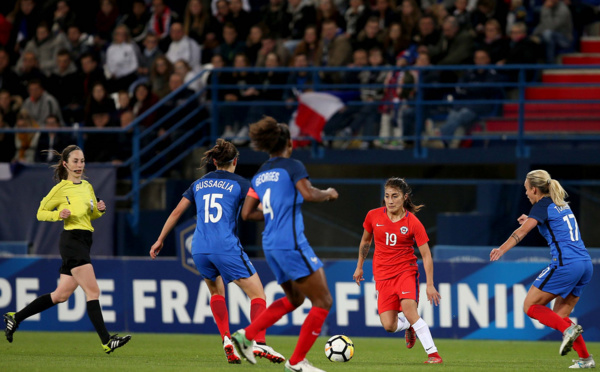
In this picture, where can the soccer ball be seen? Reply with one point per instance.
(339, 348)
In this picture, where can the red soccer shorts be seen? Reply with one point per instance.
(391, 291)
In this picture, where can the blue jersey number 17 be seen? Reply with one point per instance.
(574, 234)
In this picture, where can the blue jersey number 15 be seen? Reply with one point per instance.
(210, 202)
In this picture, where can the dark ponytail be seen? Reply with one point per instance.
(269, 136)
(222, 153)
(60, 172)
(400, 184)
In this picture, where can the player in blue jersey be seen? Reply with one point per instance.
(216, 248)
(570, 269)
(281, 186)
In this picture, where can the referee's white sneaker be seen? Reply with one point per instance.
(265, 351)
(569, 336)
(584, 363)
(302, 366)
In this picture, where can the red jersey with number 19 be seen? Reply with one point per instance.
(394, 242)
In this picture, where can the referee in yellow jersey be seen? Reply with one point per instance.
(73, 201)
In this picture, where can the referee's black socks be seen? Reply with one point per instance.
(95, 314)
(44, 302)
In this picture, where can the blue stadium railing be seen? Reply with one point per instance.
(207, 100)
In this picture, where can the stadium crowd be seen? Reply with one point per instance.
(62, 64)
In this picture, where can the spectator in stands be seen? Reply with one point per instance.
(395, 42)
(555, 28)
(63, 85)
(161, 19)
(220, 17)
(78, 43)
(428, 34)
(7, 143)
(5, 27)
(266, 92)
(28, 70)
(101, 147)
(517, 14)
(123, 104)
(91, 73)
(462, 15)
(479, 16)
(332, 51)
(455, 46)
(327, 10)
(198, 24)
(162, 69)
(182, 47)
(122, 58)
(522, 51)
(40, 103)
(25, 18)
(308, 45)
(183, 69)
(240, 18)
(300, 81)
(275, 18)
(368, 116)
(231, 46)
(384, 13)
(45, 46)
(236, 115)
(254, 44)
(356, 17)
(493, 41)
(137, 20)
(10, 105)
(51, 141)
(26, 142)
(98, 101)
(143, 99)
(64, 17)
(106, 20)
(462, 117)
(302, 14)
(8, 78)
(149, 53)
(410, 15)
(270, 44)
(371, 37)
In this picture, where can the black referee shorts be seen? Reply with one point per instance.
(74, 249)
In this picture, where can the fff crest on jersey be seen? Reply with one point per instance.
(404, 230)
(183, 242)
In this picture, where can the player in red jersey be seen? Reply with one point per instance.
(395, 230)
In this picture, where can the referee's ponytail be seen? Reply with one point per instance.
(60, 172)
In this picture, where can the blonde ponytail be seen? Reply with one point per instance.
(541, 179)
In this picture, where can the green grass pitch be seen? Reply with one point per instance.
(79, 351)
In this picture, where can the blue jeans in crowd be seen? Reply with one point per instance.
(553, 41)
(463, 117)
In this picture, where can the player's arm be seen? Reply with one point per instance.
(169, 225)
(514, 238)
(363, 252)
(312, 194)
(432, 294)
(47, 210)
(250, 209)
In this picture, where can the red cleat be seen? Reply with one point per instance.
(433, 360)
(411, 337)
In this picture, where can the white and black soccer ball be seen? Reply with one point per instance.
(339, 348)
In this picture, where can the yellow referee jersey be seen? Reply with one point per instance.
(79, 198)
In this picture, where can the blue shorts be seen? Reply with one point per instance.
(292, 264)
(565, 280)
(229, 267)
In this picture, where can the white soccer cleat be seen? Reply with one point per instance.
(569, 336)
(243, 346)
(584, 363)
(230, 352)
(303, 366)
(265, 351)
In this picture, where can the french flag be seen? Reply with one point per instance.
(314, 109)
